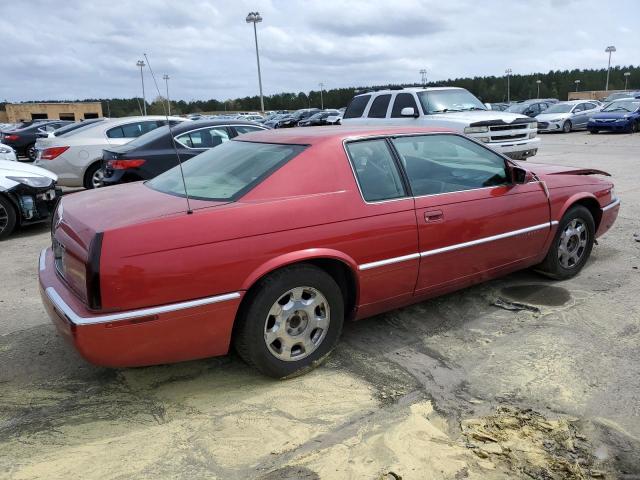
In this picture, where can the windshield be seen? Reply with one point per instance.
(622, 106)
(559, 108)
(455, 100)
(226, 172)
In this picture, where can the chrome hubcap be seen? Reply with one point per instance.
(297, 324)
(4, 218)
(573, 243)
(97, 178)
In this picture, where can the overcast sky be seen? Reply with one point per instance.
(71, 49)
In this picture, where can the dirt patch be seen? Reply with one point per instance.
(537, 294)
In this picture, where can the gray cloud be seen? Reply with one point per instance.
(81, 49)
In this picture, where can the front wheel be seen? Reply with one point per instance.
(594, 131)
(635, 126)
(571, 246)
(8, 217)
(566, 126)
(291, 322)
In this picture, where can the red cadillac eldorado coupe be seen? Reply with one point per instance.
(290, 232)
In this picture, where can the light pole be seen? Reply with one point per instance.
(626, 78)
(321, 98)
(423, 74)
(577, 82)
(610, 49)
(165, 77)
(538, 82)
(254, 17)
(141, 64)
(508, 71)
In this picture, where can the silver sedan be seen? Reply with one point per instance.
(567, 116)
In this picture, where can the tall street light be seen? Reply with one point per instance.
(321, 98)
(423, 75)
(165, 77)
(577, 82)
(141, 64)
(538, 82)
(610, 49)
(508, 71)
(254, 17)
(626, 78)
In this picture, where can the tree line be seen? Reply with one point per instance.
(554, 84)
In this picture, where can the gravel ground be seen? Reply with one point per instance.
(457, 387)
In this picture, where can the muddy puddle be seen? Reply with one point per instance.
(537, 294)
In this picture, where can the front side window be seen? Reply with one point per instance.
(403, 100)
(376, 170)
(357, 106)
(579, 108)
(449, 163)
(204, 138)
(589, 106)
(227, 172)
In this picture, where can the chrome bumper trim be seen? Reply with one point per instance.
(611, 205)
(76, 319)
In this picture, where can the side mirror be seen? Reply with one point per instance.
(408, 112)
(488, 105)
(519, 175)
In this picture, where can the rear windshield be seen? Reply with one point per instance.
(226, 172)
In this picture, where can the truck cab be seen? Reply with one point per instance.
(450, 108)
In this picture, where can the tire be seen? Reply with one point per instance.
(566, 126)
(284, 345)
(635, 126)
(594, 131)
(8, 217)
(571, 246)
(93, 176)
(30, 152)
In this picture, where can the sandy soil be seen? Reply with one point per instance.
(458, 387)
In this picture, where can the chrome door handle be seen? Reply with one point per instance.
(433, 216)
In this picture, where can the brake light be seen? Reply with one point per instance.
(53, 152)
(125, 164)
(12, 137)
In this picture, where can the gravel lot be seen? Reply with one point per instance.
(453, 388)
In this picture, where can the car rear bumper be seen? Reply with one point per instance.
(164, 334)
(609, 214)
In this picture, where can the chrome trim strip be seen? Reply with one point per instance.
(388, 261)
(43, 259)
(480, 241)
(76, 319)
(554, 223)
(611, 205)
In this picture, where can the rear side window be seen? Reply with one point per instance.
(133, 130)
(376, 171)
(379, 106)
(204, 138)
(246, 129)
(403, 100)
(357, 106)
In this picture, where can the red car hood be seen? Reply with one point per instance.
(94, 211)
(544, 169)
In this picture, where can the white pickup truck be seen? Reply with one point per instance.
(450, 108)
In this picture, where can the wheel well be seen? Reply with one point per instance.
(593, 206)
(338, 270)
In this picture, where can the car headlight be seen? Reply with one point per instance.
(35, 182)
(476, 129)
(556, 120)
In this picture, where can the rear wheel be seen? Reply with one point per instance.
(571, 246)
(291, 322)
(566, 126)
(31, 152)
(635, 127)
(94, 176)
(8, 217)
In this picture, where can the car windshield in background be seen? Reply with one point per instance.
(227, 172)
(442, 101)
(559, 108)
(517, 108)
(622, 106)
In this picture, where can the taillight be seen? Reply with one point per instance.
(53, 152)
(12, 138)
(125, 164)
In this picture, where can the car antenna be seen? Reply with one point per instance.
(173, 140)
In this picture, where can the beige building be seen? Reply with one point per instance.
(54, 111)
(591, 94)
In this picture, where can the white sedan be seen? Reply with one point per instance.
(76, 157)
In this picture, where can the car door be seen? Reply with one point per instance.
(472, 220)
(395, 117)
(590, 109)
(579, 118)
(385, 228)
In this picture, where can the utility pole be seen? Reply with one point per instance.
(423, 75)
(626, 78)
(577, 82)
(165, 77)
(254, 17)
(538, 82)
(321, 98)
(141, 64)
(508, 71)
(610, 49)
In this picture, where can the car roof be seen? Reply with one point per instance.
(316, 135)
(408, 89)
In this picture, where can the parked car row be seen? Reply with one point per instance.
(567, 116)
(23, 137)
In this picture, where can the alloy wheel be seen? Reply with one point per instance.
(97, 178)
(573, 243)
(297, 324)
